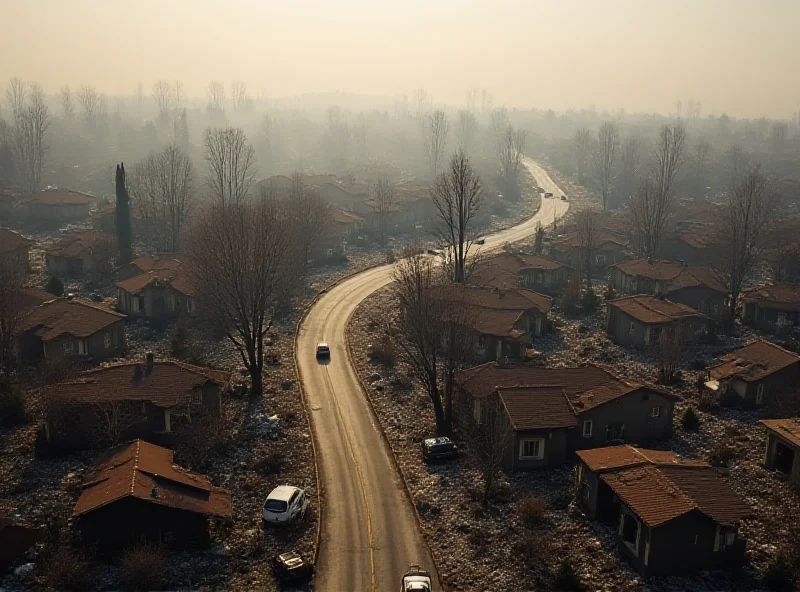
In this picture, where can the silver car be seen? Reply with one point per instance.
(285, 504)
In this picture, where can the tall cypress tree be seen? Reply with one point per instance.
(122, 218)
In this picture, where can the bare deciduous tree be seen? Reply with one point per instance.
(231, 164)
(67, 104)
(741, 232)
(488, 435)
(649, 218)
(12, 309)
(17, 96)
(587, 238)
(238, 94)
(382, 193)
(162, 95)
(216, 96)
(161, 186)
(243, 267)
(178, 94)
(467, 125)
(498, 124)
(431, 329)
(581, 150)
(436, 130)
(31, 121)
(112, 421)
(457, 196)
(337, 137)
(309, 218)
(668, 353)
(778, 132)
(91, 103)
(422, 104)
(604, 154)
(630, 164)
(669, 159)
(702, 151)
(512, 151)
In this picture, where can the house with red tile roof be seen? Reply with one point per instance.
(673, 516)
(610, 248)
(532, 271)
(146, 399)
(755, 373)
(164, 291)
(554, 412)
(15, 249)
(136, 491)
(505, 320)
(783, 448)
(697, 287)
(85, 254)
(641, 321)
(64, 328)
(52, 207)
(773, 308)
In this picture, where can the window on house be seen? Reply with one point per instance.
(781, 320)
(539, 278)
(633, 328)
(696, 538)
(655, 411)
(197, 397)
(615, 431)
(760, 393)
(531, 449)
(630, 530)
(107, 340)
(730, 538)
(587, 428)
(600, 259)
(189, 305)
(140, 304)
(69, 346)
(702, 306)
(83, 347)
(716, 307)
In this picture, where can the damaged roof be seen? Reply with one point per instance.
(779, 297)
(652, 310)
(658, 494)
(626, 456)
(148, 473)
(788, 429)
(169, 384)
(753, 362)
(62, 316)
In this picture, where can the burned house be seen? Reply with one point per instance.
(131, 400)
(694, 286)
(773, 308)
(783, 448)
(672, 515)
(73, 329)
(755, 373)
(641, 321)
(555, 411)
(136, 491)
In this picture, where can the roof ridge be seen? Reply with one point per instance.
(135, 465)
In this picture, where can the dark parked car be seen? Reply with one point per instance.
(480, 241)
(439, 449)
(548, 194)
(290, 567)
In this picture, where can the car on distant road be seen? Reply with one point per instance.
(548, 194)
(435, 252)
(284, 504)
(291, 567)
(323, 350)
(480, 241)
(563, 198)
(439, 449)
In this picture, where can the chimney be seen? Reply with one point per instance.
(148, 363)
(154, 492)
(137, 374)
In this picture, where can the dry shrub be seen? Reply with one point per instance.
(383, 352)
(66, 568)
(721, 454)
(537, 552)
(690, 420)
(532, 510)
(12, 403)
(272, 464)
(142, 566)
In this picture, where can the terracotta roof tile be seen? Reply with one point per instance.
(513, 298)
(674, 274)
(81, 244)
(786, 428)
(658, 494)
(154, 262)
(169, 384)
(497, 323)
(602, 239)
(71, 317)
(135, 469)
(625, 456)
(493, 276)
(517, 262)
(60, 197)
(11, 241)
(652, 310)
(778, 297)
(753, 362)
(176, 277)
(537, 407)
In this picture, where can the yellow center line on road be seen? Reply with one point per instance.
(360, 475)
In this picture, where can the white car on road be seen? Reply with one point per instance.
(284, 505)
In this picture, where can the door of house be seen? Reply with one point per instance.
(784, 458)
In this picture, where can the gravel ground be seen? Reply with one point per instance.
(469, 543)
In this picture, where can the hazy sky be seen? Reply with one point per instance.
(736, 56)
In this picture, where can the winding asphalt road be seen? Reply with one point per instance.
(369, 533)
